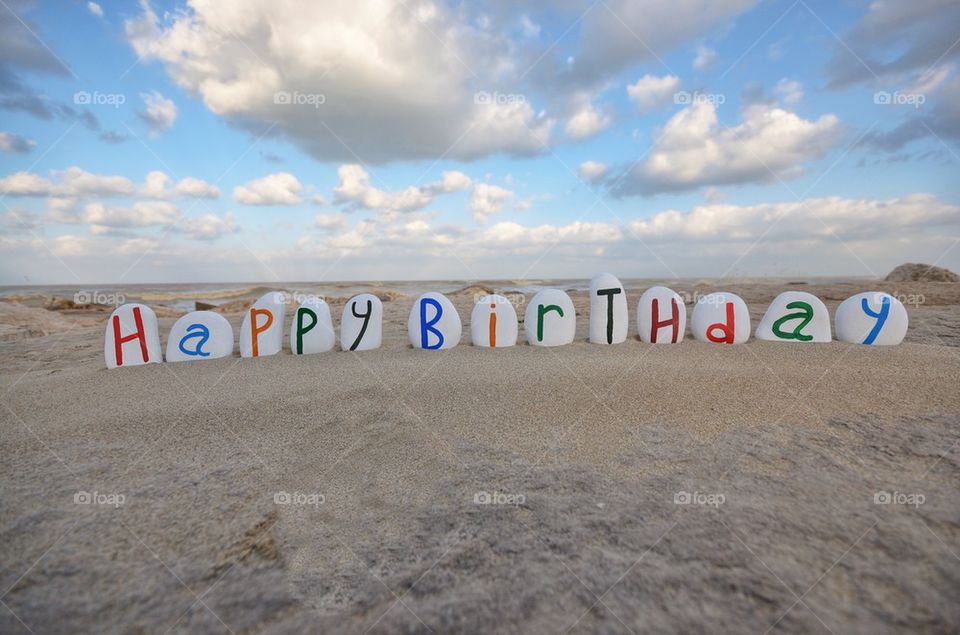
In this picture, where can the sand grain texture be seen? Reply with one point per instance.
(590, 445)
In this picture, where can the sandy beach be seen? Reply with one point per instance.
(623, 489)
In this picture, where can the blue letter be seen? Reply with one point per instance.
(426, 326)
(881, 316)
(196, 331)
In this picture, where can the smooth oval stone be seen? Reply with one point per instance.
(872, 318)
(200, 335)
(261, 333)
(795, 316)
(661, 316)
(132, 337)
(550, 319)
(311, 330)
(609, 318)
(434, 322)
(721, 318)
(493, 322)
(361, 325)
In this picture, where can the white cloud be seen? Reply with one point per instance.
(694, 149)
(281, 188)
(587, 122)
(591, 171)
(25, 184)
(78, 182)
(155, 185)
(15, 144)
(387, 94)
(488, 199)
(95, 9)
(160, 112)
(142, 214)
(207, 227)
(191, 187)
(354, 187)
(704, 59)
(331, 221)
(651, 91)
(790, 91)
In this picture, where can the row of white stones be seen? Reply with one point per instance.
(132, 334)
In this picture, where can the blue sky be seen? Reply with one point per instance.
(484, 140)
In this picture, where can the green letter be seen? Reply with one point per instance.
(804, 315)
(542, 310)
(301, 329)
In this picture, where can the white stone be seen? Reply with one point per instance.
(669, 316)
(361, 325)
(886, 327)
(609, 318)
(550, 319)
(795, 316)
(264, 336)
(434, 322)
(313, 315)
(493, 314)
(134, 327)
(721, 318)
(200, 335)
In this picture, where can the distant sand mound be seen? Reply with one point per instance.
(916, 272)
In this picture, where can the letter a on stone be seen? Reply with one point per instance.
(493, 323)
(434, 322)
(550, 319)
(361, 325)
(609, 319)
(200, 335)
(261, 333)
(795, 316)
(132, 337)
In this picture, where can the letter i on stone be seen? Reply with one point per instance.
(434, 322)
(609, 319)
(493, 323)
(261, 333)
(132, 337)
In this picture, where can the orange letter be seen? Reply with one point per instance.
(255, 330)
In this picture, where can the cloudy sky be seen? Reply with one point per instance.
(265, 140)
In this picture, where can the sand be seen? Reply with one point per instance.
(584, 450)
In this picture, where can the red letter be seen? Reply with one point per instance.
(139, 334)
(728, 329)
(657, 324)
(255, 330)
(493, 325)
